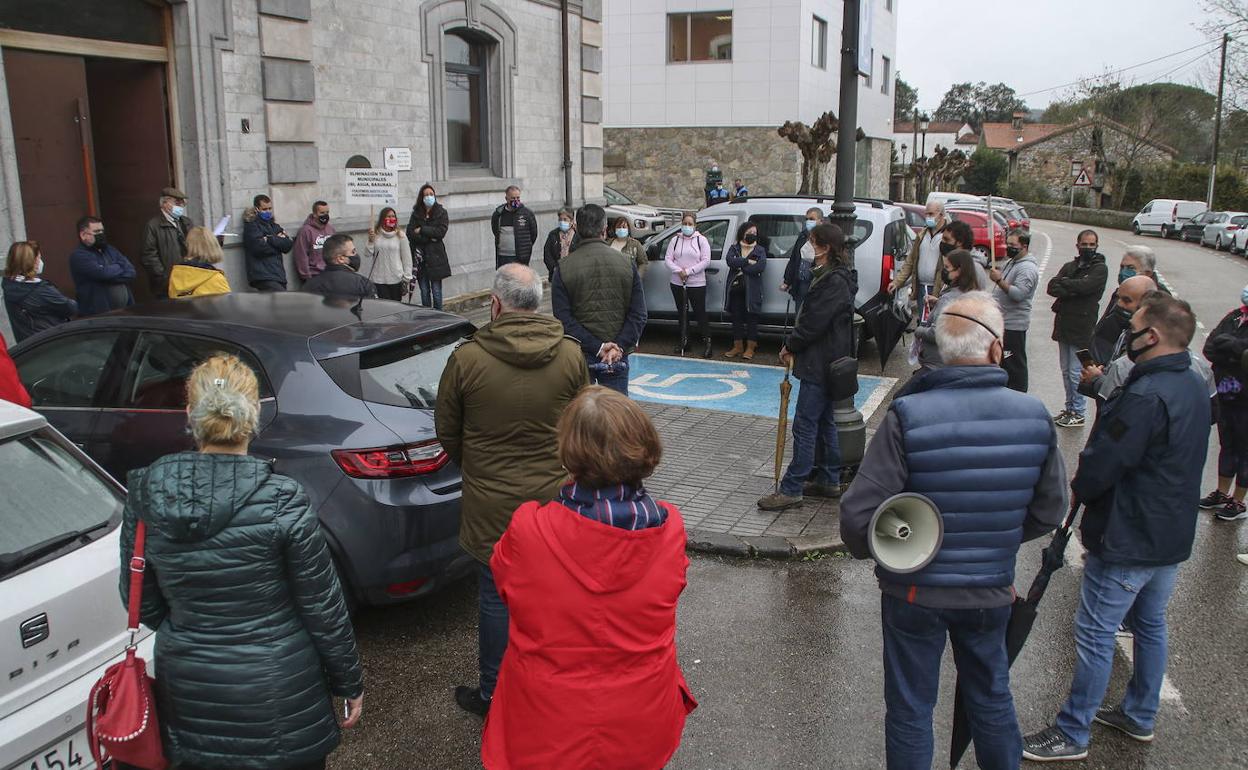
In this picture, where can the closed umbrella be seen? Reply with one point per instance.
(1022, 618)
(882, 318)
(782, 425)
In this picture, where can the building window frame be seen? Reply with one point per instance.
(886, 73)
(481, 47)
(866, 79)
(819, 43)
(718, 42)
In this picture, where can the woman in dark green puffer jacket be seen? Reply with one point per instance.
(253, 636)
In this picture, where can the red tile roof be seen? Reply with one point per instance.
(967, 139)
(1002, 136)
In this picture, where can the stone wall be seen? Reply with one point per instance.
(1049, 162)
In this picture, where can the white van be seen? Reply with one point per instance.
(61, 620)
(1165, 216)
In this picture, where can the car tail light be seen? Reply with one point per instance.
(392, 462)
(406, 587)
(1231, 227)
(886, 270)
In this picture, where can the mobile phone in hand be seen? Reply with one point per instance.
(1085, 357)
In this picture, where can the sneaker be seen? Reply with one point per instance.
(1215, 499)
(1060, 416)
(1232, 511)
(470, 700)
(779, 502)
(815, 489)
(1071, 420)
(1052, 745)
(1124, 724)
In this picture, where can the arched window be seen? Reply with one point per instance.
(467, 99)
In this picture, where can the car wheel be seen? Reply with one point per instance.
(1164, 233)
(1135, 227)
(1217, 243)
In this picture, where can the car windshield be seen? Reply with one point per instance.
(51, 495)
(616, 198)
(406, 373)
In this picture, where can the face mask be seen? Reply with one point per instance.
(514, 204)
(1012, 252)
(621, 232)
(750, 238)
(354, 261)
(323, 219)
(100, 240)
(808, 252)
(1123, 313)
(686, 230)
(1243, 296)
(930, 222)
(39, 266)
(944, 276)
(1134, 353)
(565, 226)
(178, 212)
(1086, 252)
(811, 224)
(1125, 273)
(945, 248)
(430, 200)
(267, 216)
(390, 222)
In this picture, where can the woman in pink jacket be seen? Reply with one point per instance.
(688, 255)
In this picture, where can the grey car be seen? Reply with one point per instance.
(347, 394)
(1220, 231)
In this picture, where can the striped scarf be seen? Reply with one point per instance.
(619, 506)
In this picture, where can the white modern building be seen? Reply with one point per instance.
(688, 82)
(911, 140)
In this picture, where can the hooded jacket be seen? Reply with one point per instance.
(34, 306)
(264, 243)
(309, 244)
(196, 279)
(1078, 287)
(252, 630)
(500, 395)
(590, 678)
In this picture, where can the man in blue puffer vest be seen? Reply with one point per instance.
(987, 456)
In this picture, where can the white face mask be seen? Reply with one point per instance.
(39, 266)
(808, 252)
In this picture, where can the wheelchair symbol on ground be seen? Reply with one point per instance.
(647, 385)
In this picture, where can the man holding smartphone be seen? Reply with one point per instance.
(1014, 288)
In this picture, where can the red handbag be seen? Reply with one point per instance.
(121, 710)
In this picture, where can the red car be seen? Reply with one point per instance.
(916, 216)
(978, 220)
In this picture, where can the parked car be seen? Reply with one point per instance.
(916, 216)
(1220, 232)
(947, 197)
(1194, 228)
(1012, 214)
(978, 220)
(1239, 243)
(643, 221)
(1165, 216)
(882, 236)
(347, 394)
(63, 623)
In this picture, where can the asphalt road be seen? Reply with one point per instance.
(785, 656)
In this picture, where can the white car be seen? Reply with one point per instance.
(643, 221)
(1165, 216)
(883, 240)
(61, 620)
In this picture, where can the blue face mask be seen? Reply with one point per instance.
(931, 223)
(565, 226)
(1125, 272)
(621, 232)
(686, 230)
(810, 224)
(430, 200)
(178, 212)
(267, 215)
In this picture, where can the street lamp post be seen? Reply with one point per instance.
(924, 123)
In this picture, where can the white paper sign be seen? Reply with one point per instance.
(221, 225)
(398, 158)
(372, 186)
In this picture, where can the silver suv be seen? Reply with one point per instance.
(61, 621)
(881, 234)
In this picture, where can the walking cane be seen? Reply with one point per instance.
(684, 318)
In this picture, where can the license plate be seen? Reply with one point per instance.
(69, 753)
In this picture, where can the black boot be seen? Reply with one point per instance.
(706, 352)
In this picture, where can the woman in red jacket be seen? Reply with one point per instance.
(591, 581)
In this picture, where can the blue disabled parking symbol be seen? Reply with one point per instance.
(729, 386)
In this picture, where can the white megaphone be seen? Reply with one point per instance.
(905, 533)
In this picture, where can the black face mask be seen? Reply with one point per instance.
(323, 219)
(1134, 353)
(1012, 251)
(1086, 253)
(750, 238)
(944, 277)
(945, 248)
(354, 261)
(1123, 313)
(100, 241)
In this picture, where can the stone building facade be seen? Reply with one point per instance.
(276, 96)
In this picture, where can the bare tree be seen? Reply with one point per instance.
(1230, 17)
(817, 144)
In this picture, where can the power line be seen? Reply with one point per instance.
(1204, 44)
(1187, 63)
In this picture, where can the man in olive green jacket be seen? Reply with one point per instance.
(499, 400)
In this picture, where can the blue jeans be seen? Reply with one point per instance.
(492, 620)
(430, 292)
(914, 641)
(1071, 369)
(617, 380)
(1108, 593)
(813, 424)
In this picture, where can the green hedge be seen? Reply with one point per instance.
(1120, 220)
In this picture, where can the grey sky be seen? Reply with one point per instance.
(1034, 44)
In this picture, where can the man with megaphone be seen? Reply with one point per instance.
(961, 471)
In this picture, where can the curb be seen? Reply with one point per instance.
(763, 546)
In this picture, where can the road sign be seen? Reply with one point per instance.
(1075, 167)
(372, 186)
(1084, 179)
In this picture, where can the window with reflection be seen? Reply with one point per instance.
(467, 87)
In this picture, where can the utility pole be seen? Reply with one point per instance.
(843, 197)
(1217, 124)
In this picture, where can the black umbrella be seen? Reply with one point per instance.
(880, 315)
(1022, 618)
